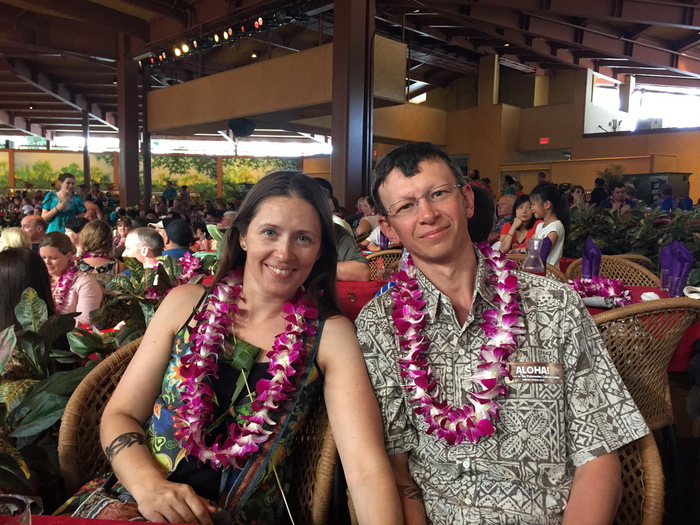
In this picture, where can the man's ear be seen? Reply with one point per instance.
(386, 228)
(468, 195)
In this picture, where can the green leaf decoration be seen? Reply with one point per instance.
(31, 311)
(244, 356)
(8, 341)
(12, 393)
(85, 343)
(148, 310)
(41, 417)
(135, 267)
(34, 348)
(215, 233)
(55, 326)
(171, 265)
(14, 473)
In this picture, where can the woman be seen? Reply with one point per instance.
(281, 249)
(577, 195)
(124, 226)
(520, 227)
(73, 228)
(21, 268)
(72, 291)
(370, 220)
(97, 258)
(61, 205)
(550, 206)
(14, 238)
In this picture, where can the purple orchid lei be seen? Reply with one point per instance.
(501, 326)
(60, 291)
(196, 412)
(190, 264)
(598, 286)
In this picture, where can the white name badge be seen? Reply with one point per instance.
(536, 372)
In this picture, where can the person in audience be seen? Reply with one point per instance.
(97, 257)
(541, 177)
(509, 186)
(73, 228)
(665, 201)
(520, 227)
(177, 236)
(72, 290)
(169, 193)
(599, 193)
(123, 227)
(504, 210)
(35, 226)
(92, 208)
(472, 437)
(22, 268)
(14, 238)
(227, 219)
(369, 220)
(578, 195)
(143, 244)
(550, 206)
(631, 193)
(618, 198)
(59, 206)
(213, 446)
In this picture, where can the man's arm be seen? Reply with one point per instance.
(409, 493)
(352, 271)
(595, 492)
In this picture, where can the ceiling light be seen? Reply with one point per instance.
(185, 48)
(225, 35)
(506, 45)
(31, 107)
(177, 52)
(230, 31)
(254, 55)
(194, 44)
(216, 38)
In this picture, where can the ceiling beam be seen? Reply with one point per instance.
(93, 14)
(58, 90)
(175, 11)
(23, 125)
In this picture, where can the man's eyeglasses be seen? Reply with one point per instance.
(407, 207)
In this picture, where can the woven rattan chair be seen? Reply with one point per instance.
(641, 339)
(383, 259)
(81, 458)
(636, 258)
(614, 267)
(642, 484)
(551, 271)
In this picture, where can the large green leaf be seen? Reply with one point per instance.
(8, 341)
(41, 416)
(34, 348)
(14, 475)
(135, 268)
(122, 284)
(85, 343)
(31, 311)
(55, 326)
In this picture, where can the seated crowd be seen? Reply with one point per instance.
(432, 417)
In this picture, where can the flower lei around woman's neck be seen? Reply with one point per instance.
(474, 419)
(196, 412)
(60, 290)
(598, 286)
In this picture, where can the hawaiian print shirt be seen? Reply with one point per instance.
(548, 426)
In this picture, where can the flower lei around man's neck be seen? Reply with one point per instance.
(60, 290)
(196, 412)
(501, 326)
(598, 286)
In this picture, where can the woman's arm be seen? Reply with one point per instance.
(130, 406)
(49, 213)
(509, 235)
(89, 294)
(357, 425)
(363, 228)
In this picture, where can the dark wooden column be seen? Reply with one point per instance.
(146, 137)
(128, 109)
(352, 107)
(86, 151)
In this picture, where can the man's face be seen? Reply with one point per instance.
(435, 232)
(133, 248)
(618, 194)
(504, 207)
(29, 224)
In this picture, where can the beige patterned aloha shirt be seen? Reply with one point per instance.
(522, 473)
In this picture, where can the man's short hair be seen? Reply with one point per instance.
(406, 159)
(149, 238)
(38, 221)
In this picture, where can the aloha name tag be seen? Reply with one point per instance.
(536, 372)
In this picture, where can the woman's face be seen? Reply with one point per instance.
(524, 212)
(123, 229)
(365, 208)
(68, 185)
(56, 262)
(577, 194)
(282, 244)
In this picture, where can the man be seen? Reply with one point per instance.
(541, 177)
(599, 193)
(169, 192)
(143, 244)
(35, 227)
(550, 453)
(177, 236)
(227, 219)
(504, 209)
(618, 198)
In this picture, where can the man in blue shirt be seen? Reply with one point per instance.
(617, 199)
(177, 236)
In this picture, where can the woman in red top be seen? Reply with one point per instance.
(520, 227)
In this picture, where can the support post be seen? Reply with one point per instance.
(127, 104)
(86, 151)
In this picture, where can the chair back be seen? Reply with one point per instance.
(551, 271)
(80, 453)
(641, 339)
(81, 457)
(642, 484)
(381, 260)
(641, 260)
(614, 267)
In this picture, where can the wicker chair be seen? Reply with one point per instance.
(613, 267)
(382, 259)
(642, 484)
(636, 258)
(551, 271)
(81, 458)
(641, 339)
